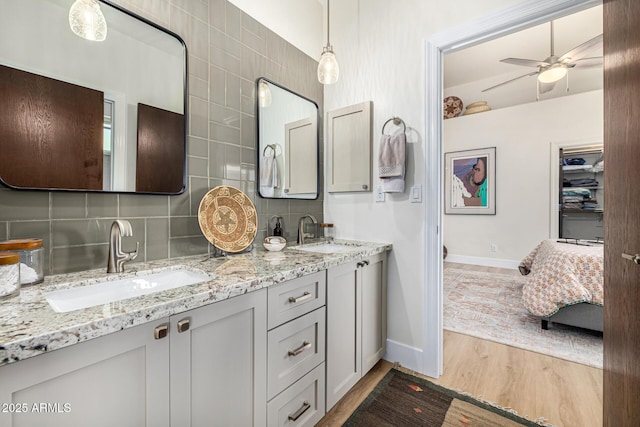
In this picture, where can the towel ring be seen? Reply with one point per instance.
(273, 147)
(396, 121)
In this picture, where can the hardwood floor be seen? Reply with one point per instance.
(566, 394)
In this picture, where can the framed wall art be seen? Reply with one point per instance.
(470, 182)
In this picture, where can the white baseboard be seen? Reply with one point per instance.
(489, 262)
(407, 356)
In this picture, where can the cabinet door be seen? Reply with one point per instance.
(344, 362)
(374, 310)
(349, 148)
(218, 364)
(120, 379)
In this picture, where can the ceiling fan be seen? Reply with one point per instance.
(554, 68)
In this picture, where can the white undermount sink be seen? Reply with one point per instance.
(324, 248)
(105, 292)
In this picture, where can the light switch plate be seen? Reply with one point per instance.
(416, 194)
(379, 194)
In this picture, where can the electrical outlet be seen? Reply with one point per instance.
(494, 247)
(379, 194)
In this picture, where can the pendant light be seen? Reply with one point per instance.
(264, 94)
(328, 70)
(87, 21)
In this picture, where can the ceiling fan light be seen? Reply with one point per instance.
(87, 21)
(328, 69)
(552, 74)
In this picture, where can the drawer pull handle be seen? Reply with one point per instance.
(183, 325)
(161, 332)
(305, 346)
(305, 407)
(307, 295)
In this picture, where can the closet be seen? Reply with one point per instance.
(581, 192)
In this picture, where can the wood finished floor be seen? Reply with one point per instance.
(566, 394)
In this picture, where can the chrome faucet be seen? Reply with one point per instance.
(301, 234)
(119, 229)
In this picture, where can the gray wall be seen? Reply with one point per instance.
(228, 51)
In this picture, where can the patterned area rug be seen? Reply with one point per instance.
(404, 400)
(489, 306)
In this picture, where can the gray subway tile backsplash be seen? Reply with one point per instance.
(68, 205)
(157, 243)
(102, 205)
(18, 205)
(228, 51)
(142, 205)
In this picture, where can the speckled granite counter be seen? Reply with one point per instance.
(29, 326)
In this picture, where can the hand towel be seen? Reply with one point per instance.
(391, 155)
(393, 185)
(269, 171)
(391, 162)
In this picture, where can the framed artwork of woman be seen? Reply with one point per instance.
(470, 182)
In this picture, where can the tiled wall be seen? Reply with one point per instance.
(228, 51)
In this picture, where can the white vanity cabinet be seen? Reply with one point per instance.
(356, 323)
(207, 367)
(296, 351)
(120, 379)
(218, 363)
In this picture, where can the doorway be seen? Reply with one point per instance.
(510, 20)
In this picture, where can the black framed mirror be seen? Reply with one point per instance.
(287, 143)
(85, 115)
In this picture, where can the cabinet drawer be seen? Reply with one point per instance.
(302, 404)
(294, 349)
(296, 297)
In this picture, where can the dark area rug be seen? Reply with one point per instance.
(404, 400)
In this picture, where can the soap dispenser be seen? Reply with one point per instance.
(277, 230)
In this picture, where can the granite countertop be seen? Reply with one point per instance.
(29, 326)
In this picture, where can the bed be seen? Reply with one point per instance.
(565, 283)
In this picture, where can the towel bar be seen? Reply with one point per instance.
(396, 121)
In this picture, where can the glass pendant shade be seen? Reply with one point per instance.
(553, 74)
(264, 94)
(87, 21)
(328, 69)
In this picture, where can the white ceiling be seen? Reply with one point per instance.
(480, 65)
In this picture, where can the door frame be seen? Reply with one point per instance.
(515, 18)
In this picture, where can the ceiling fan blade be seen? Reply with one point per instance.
(509, 81)
(580, 51)
(594, 61)
(546, 87)
(525, 62)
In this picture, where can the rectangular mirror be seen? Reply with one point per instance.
(86, 115)
(287, 143)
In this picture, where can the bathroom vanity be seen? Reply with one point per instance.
(266, 339)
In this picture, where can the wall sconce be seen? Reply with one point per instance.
(87, 21)
(328, 69)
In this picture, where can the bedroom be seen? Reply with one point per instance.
(527, 135)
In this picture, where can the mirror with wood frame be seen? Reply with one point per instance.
(83, 115)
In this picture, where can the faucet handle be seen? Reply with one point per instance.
(133, 255)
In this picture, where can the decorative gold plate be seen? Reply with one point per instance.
(228, 218)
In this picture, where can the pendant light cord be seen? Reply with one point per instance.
(328, 20)
(552, 52)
